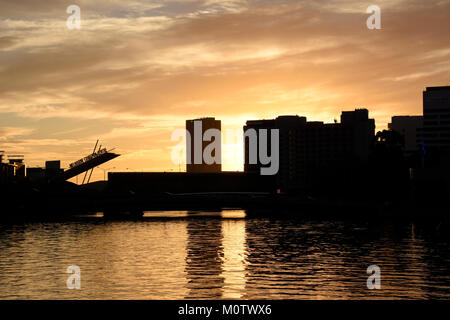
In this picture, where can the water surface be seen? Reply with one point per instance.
(222, 255)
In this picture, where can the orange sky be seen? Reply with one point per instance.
(137, 69)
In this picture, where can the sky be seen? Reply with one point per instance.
(136, 70)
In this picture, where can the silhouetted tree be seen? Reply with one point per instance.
(390, 173)
(389, 143)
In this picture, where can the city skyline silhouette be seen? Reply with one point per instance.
(251, 150)
(130, 76)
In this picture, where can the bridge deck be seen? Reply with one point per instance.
(92, 163)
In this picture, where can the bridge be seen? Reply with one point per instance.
(96, 158)
(89, 164)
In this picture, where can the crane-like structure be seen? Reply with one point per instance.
(88, 163)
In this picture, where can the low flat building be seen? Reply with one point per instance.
(6, 172)
(53, 169)
(36, 174)
(184, 182)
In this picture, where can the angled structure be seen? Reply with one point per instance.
(87, 163)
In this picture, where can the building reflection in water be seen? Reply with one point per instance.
(222, 256)
(328, 260)
(215, 255)
(234, 258)
(204, 254)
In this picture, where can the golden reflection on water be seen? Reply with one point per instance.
(231, 213)
(221, 255)
(233, 240)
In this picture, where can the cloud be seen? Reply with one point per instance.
(8, 132)
(146, 66)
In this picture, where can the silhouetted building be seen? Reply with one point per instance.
(258, 125)
(363, 131)
(19, 166)
(36, 174)
(53, 165)
(183, 182)
(311, 151)
(196, 144)
(53, 168)
(436, 113)
(432, 183)
(411, 128)
(389, 169)
(6, 170)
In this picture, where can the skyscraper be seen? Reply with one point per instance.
(436, 124)
(197, 142)
(310, 149)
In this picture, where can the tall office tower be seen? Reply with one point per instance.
(197, 142)
(256, 126)
(291, 171)
(411, 128)
(436, 114)
(310, 149)
(363, 131)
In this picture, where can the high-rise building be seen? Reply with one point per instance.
(363, 131)
(197, 141)
(256, 125)
(411, 128)
(436, 114)
(309, 150)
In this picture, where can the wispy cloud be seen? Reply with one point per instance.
(9, 132)
(140, 68)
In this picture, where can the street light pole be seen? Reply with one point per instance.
(105, 170)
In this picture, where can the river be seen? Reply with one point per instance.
(223, 255)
